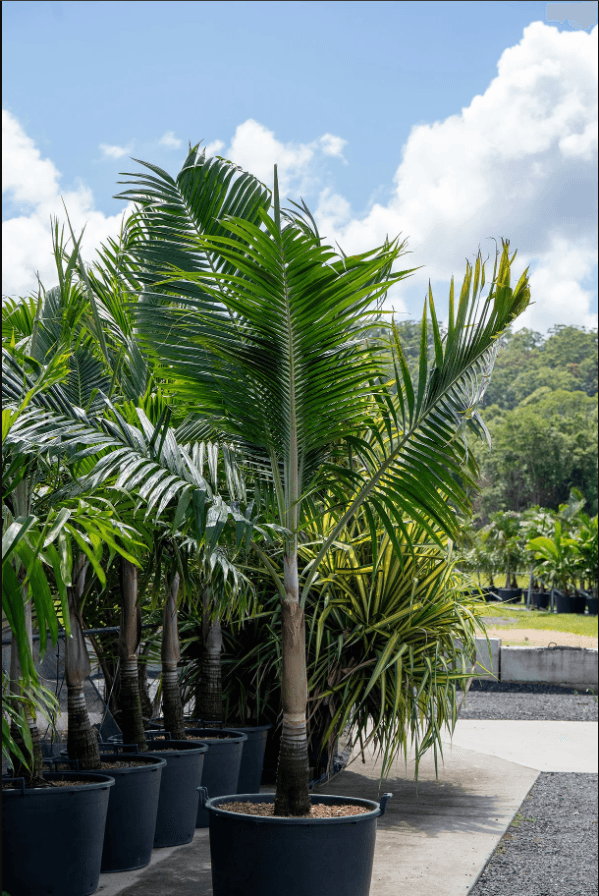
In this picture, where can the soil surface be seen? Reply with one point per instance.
(49, 785)
(318, 810)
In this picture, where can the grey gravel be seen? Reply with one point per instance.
(520, 700)
(550, 848)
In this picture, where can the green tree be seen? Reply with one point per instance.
(270, 349)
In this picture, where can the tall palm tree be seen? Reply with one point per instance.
(269, 345)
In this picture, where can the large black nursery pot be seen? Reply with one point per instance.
(540, 599)
(252, 757)
(257, 855)
(592, 605)
(509, 594)
(52, 838)
(222, 761)
(566, 603)
(132, 809)
(179, 798)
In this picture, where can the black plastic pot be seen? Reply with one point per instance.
(509, 594)
(220, 774)
(580, 603)
(132, 810)
(255, 855)
(52, 839)
(564, 603)
(540, 599)
(252, 758)
(592, 604)
(179, 798)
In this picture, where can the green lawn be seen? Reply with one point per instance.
(541, 619)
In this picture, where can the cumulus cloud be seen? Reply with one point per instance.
(170, 141)
(256, 149)
(518, 162)
(32, 186)
(115, 152)
(214, 148)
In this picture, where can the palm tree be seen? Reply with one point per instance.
(270, 346)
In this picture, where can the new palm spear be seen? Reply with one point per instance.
(272, 349)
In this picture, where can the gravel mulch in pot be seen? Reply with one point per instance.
(318, 810)
(550, 848)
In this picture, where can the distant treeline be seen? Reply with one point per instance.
(541, 410)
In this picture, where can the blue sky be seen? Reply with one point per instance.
(448, 122)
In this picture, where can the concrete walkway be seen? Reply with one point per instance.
(433, 842)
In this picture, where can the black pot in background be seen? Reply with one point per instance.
(540, 599)
(592, 603)
(179, 799)
(132, 810)
(511, 595)
(564, 603)
(220, 773)
(256, 855)
(252, 758)
(52, 839)
(580, 603)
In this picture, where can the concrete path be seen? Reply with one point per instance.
(545, 746)
(433, 841)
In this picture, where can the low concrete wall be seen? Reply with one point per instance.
(551, 665)
(488, 656)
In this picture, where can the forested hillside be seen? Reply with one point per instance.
(541, 411)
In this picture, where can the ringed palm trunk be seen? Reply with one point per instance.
(209, 703)
(130, 720)
(172, 705)
(292, 794)
(82, 739)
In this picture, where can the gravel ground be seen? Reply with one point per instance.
(551, 847)
(515, 700)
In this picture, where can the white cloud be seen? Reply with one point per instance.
(257, 150)
(32, 185)
(170, 141)
(115, 152)
(214, 148)
(333, 146)
(518, 162)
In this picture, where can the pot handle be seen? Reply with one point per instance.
(203, 791)
(384, 800)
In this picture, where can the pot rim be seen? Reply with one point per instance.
(97, 782)
(185, 747)
(244, 728)
(212, 805)
(238, 737)
(120, 757)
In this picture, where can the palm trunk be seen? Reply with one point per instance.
(209, 696)
(147, 708)
(130, 716)
(172, 706)
(82, 739)
(292, 794)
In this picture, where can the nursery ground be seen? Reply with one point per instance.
(449, 836)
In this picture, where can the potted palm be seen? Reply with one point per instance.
(503, 535)
(266, 330)
(556, 562)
